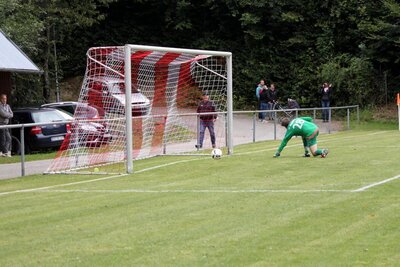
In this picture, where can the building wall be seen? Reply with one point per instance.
(5, 83)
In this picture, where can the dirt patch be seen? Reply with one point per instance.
(70, 88)
(388, 113)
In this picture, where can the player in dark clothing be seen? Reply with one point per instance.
(206, 121)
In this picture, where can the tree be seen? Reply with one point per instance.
(36, 25)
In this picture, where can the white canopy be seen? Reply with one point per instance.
(12, 58)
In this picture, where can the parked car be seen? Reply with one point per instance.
(40, 137)
(110, 94)
(88, 128)
(69, 106)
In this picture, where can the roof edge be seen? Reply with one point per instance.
(38, 70)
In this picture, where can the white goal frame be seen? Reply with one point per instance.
(128, 84)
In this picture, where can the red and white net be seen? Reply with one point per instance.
(166, 90)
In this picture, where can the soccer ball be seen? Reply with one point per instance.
(216, 153)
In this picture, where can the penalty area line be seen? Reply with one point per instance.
(39, 189)
(152, 191)
(361, 189)
(48, 188)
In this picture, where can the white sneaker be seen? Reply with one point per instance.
(2, 154)
(8, 154)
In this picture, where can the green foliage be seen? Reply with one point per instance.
(351, 78)
(295, 44)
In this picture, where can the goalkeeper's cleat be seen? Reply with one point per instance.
(307, 155)
(324, 153)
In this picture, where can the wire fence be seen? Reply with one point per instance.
(247, 125)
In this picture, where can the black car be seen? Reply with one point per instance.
(68, 106)
(88, 128)
(40, 137)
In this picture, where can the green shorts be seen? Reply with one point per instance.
(313, 140)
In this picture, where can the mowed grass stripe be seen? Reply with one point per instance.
(269, 174)
(181, 229)
(216, 230)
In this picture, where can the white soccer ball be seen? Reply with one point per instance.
(216, 153)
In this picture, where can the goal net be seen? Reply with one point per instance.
(166, 86)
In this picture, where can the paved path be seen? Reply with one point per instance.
(243, 133)
(13, 170)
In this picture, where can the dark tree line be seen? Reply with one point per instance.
(353, 44)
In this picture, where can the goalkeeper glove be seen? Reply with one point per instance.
(277, 154)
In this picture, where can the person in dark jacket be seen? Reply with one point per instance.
(272, 98)
(206, 120)
(263, 103)
(325, 100)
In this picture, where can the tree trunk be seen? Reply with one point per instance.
(46, 87)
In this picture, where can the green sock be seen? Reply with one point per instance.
(318, 152)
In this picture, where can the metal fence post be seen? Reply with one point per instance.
(329, 120)
(22, 151)
(164, 141)
(198, 132)
(226, 129)
(358, 114)
(348, 119)
(315, 112)
(254, 127)
(275, 125)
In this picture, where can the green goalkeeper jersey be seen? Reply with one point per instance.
(302, 126)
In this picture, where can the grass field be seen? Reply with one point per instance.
(245, 210)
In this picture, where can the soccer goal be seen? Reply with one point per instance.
(141, 101)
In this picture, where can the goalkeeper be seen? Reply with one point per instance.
(305, 128)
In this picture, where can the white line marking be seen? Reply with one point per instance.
(39, 189)
(376, 184)
(166, 164)
(381, 132)
(61, 185)
(193, 191)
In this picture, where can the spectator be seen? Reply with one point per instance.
(5, 138)
(272, 98)
(325, 100)
(206, 121)
(263, 103)
(259, 89)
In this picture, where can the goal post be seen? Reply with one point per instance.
(128, 82)
(146, 99)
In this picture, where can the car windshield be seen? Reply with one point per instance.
(117, 88)
(86, 112)
(50, 116)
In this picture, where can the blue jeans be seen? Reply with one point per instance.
(5, 140)
(263, 106)
(325, 112)
(270, 114)
(203, 126)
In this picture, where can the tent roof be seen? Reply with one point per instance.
(13, 59)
